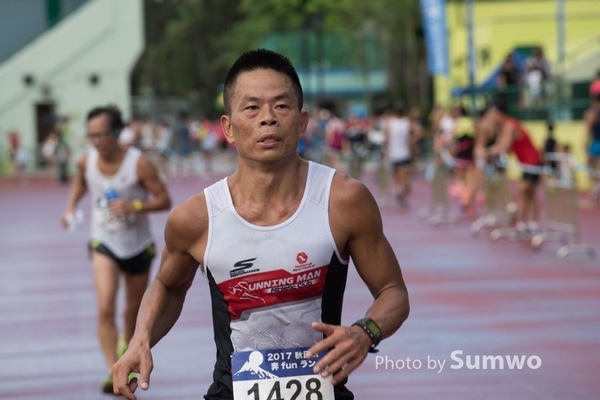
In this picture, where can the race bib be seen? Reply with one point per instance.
(282, 374)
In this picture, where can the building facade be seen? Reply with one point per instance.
(69, 56)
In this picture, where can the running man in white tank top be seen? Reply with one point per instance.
(400, 136)
(274, 241)
(119, 181)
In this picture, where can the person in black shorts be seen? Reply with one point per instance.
(124, 187)
(135, 265)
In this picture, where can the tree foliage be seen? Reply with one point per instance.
(191, 43)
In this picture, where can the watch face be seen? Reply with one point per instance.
(373, 327)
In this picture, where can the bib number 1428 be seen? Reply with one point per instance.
(267, 375)
(293, 389)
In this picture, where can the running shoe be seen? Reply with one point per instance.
(107, 384)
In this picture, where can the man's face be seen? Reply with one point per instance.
(264, 121)
(100, 134)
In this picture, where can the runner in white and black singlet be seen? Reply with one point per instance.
(274, 240)
(124, 187)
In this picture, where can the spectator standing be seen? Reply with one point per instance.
(538, 61)
(508, 82)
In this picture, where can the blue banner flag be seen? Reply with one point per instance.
(436, 37)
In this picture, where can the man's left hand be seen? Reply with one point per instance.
(348, 347)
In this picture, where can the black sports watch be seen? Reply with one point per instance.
(373, 330)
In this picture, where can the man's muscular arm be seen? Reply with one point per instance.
(358, 231)
(150, 180)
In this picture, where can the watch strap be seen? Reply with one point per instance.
(373, 331)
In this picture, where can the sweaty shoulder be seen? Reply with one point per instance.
(347, 193)
(187, 226)
(352, 209)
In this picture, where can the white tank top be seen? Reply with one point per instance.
(125, 236)
(399, 139)
(272, 280)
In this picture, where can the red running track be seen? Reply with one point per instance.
(480, 297)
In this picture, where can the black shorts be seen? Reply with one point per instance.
(530, 177)
(465, 148)
(401, 163)
(135, 265)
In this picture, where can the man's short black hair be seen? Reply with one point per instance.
(260, 59)
(114, 116)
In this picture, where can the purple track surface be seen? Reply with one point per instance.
(467, 294)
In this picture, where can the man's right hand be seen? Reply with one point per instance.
(136, 359)
(69, 213)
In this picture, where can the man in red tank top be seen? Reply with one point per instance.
(514, 138)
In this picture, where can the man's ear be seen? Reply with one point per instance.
(226, 125)
(304, 118)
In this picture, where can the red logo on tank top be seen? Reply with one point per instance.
(301, 257)
(303, 264)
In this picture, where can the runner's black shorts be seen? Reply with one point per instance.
(530, 177)
(401, 163)
(135, 265)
